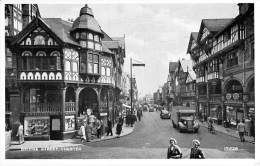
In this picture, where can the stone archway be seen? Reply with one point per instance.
(233, 86)
(88, 99)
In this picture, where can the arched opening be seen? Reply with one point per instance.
(233, 86)
(88, 100)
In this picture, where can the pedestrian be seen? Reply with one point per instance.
(20, 133)
(109, 127)
(88, 130)
(252, 128)
(196, 152)
(241, 128)
(174, 151)
(121, 119)
(139, 114)
(98, 128)
(118, 129)
(82, 133)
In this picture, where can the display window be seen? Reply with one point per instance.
(69, 123)
(36, 126)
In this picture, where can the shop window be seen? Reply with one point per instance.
(39, 40)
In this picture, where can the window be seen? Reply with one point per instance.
(77, 35)
(50, 41)
(74, 67)
(205, 33)
(8, 58)
(227, 36)
(90, 36)
(83, 68)
(96, 38)
(6, 21)
(232, 60)
(28, 41)
(83, 44)
(90, 45)
(83, 35)
(58, 63)
(67, 65)
(103, 71)
(93, 64)
(39, 40)
(108, 72)
(97, 46)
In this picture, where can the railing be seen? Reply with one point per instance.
(213, 75)
(42, 107)
(40, 75)
(70, 107)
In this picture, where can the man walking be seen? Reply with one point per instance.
(109, 127)
(241, 128)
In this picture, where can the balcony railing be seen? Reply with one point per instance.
(42, 107)
(70, 107)
(214, 75)
(39, 75)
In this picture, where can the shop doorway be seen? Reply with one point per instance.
(55, 127)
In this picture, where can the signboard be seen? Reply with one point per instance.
(55, 124)
(36, 126)
(69, 123)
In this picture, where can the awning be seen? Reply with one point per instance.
(127, 106)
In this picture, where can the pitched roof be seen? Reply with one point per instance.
(173, 66)
(105, 49)
(61, 28)
(121, 41)
(187, 66)
(193, 36)
(111, 44)
(106, 37)
(215, 25)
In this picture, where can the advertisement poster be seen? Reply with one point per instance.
(36, 126)
(69, 123)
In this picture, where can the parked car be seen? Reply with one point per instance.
(165, 114)
(151, 109)
(184, 120)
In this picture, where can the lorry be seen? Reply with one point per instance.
(184, 120)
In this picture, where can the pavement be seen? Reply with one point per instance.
(228, 131)
(62, 144)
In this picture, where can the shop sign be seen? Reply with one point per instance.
(36, 126)
(228, 96)
(69, 123)
(235, 96)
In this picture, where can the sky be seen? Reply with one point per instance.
(155, 33)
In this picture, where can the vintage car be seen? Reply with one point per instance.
(165, 114)
(184, 120)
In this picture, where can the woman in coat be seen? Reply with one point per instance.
(196, 152)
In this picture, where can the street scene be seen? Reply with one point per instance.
(129, 81)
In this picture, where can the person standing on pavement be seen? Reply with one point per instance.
(118, 129)
(139, 114)
(98, 128)
(196, 152)
(109, 127)
(241, 128)
(82, 132)
(20, 133)
(88, 131)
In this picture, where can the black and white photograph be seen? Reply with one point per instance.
(129, 80)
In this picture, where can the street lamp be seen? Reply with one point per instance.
(131, 86)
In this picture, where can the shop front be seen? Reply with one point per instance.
(203, 111)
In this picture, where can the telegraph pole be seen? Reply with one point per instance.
(131, 86)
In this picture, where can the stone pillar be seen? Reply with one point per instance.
(63, 96)
(15, 109)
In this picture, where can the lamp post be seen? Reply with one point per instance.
(131, 86)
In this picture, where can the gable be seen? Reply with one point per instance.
(37, 33)
(39, 37)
